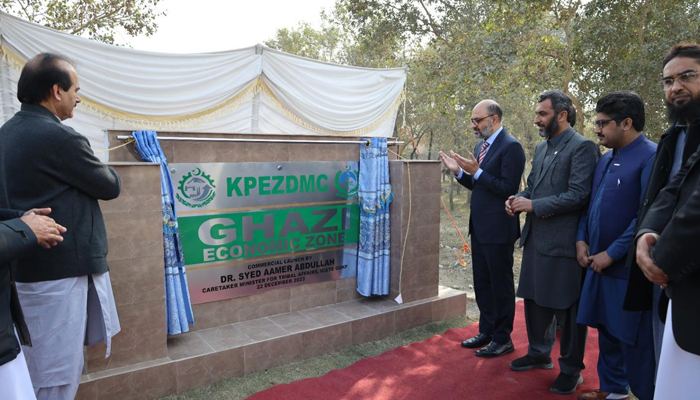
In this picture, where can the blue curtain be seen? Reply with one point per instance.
(178, 309)
(374, 196)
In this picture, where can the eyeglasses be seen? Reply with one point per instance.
(600, 124)
(683, 79)
(475, 121)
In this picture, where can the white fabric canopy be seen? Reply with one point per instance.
(250, 90)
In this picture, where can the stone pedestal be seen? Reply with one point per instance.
(238, 336)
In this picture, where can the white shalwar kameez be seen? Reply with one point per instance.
(15, 383)
(679, 371)
(62, 316)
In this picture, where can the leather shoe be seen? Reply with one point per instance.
(597, 395)
(479, 340)
(495, 350)
(566, 384)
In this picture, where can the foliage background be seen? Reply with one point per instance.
(459, 52)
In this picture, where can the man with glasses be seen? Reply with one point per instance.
(492, 173)
(678, 274)
(626, 358)
(557, 193)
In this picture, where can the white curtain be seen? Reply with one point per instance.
(250, 90)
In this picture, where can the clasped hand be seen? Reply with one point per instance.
(651, 271)
(516, 205)
(47, 231)
(597, 262)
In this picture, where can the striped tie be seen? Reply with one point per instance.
(482, 153)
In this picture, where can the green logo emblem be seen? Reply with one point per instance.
(196, 189)
(347, 183)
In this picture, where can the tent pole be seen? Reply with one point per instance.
(307, 141)
(255, 109)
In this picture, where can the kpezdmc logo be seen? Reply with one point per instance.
(196, 189)
(346, 182)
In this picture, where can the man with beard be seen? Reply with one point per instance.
(626, 360)
(492, 173)
(558, 190)
(681, 68)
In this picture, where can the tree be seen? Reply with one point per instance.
(459, 52)
(623, 49)
(98, 19)
(305, 41)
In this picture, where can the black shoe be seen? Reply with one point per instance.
(566, 384)
(527, 363)
(495, 350)
(479, 340)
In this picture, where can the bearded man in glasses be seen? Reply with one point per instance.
(669, 210)
(492, 173)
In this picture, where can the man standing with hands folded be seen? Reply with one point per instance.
(626, 358)
(557, 193)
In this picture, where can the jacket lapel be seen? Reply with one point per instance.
(494, 146)
(564, 140)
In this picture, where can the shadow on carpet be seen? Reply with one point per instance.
(438, 368)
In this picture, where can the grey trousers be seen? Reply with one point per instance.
(541, 325)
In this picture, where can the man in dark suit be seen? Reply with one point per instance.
(65, 292)
(669, 231)
(557, 193)
(682, 94)
(19, 233)
(492, 173)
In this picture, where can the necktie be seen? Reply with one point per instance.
(482, 152)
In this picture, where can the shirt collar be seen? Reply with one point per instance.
(39, 109)
(493, 137)
(631, 144)
(555, 140)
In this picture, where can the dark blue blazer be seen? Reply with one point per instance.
(502, 169)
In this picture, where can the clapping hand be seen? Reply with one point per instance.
(470, 165)
(449, 162)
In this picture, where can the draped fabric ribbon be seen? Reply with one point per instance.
(375, 241)
(178, 307)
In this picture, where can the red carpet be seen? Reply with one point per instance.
(438, 368)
